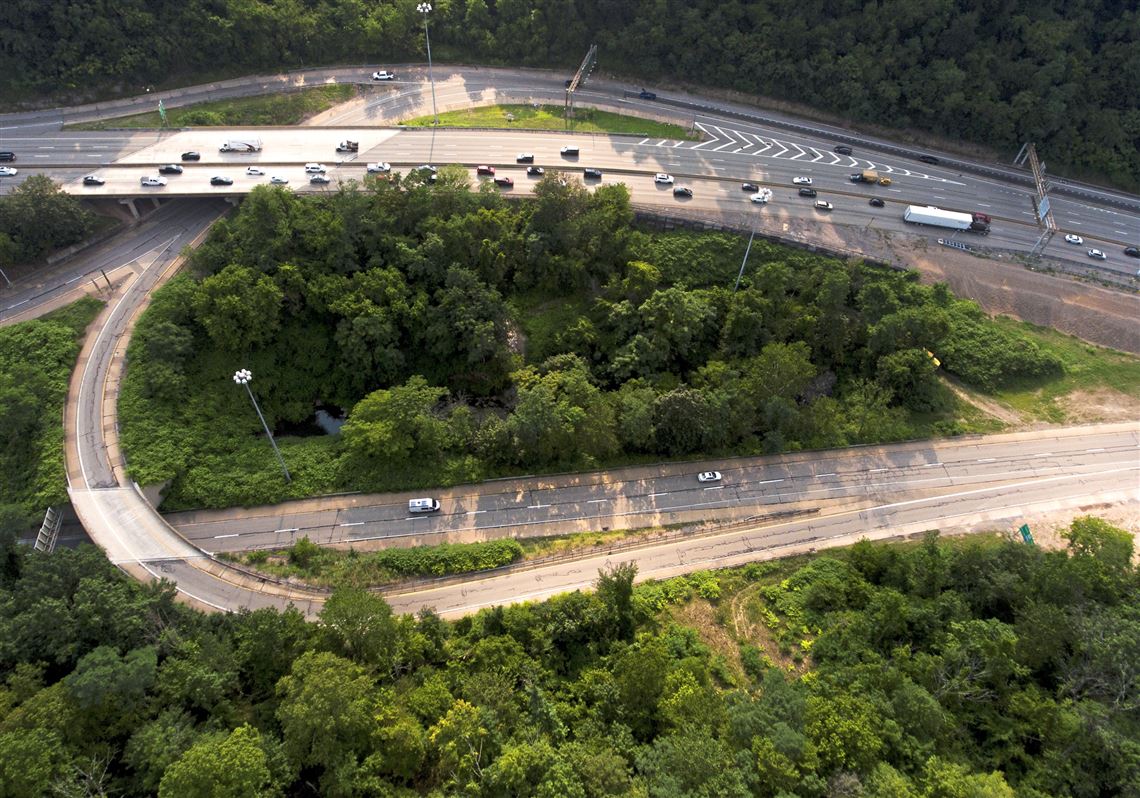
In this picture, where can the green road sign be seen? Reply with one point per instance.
(1025, 534)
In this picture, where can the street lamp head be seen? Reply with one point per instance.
(243, 376)
(424, 8)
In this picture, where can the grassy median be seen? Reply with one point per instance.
(266, 109)
(552, 117)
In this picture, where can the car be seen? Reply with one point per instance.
(221, 180)
(1097, 254)
(8, 171)
(191, 156)
(761, 196)
(592, 174)
(379, 168)
(7, 155)
(876, 202)
(807, 192)
(483, 169)
(647, 95)
(569, 152)
(504, 182)
(383, 75)
(681, 191)
(425, 167)
(661, 177)
(152, 182)
(535, 171)
(278, 180)
(1074, 239)
(319, 180)
(314, 169)
(524, 157)
(253, 171)
(823, 205)
(170, 169)
(928, 159)
(801, 181)
(843, 149)
(1132, 252)
(749, 187)
(93, 180)
(856, 178)
(709, 476)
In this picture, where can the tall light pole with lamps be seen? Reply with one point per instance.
(243, 377)
(425, 9)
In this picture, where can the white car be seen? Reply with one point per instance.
(379, 168)
(1074, 239)
(1096, 253)
(383, 75)
(661, 177)
(253, 171)
(709, 476)
(801, 181)
(314, 169)
(762, 196)
(823, 205)
(278, 180)
(153, 181)
(8, 171)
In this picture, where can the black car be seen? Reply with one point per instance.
(221, 180)
(928, 159)
(524, 157)
(876, 203)
(535, 171)
(647, 95)
(191, 156)
(319, 180)
(170, 169)
(843, 149)
(750, 187)
(807, 192)
(1132, 252)
(7, 156)
(92, 180)
(592, 174)
(681, 191)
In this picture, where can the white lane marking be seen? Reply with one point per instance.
(1093, 451)
(655, 495)
(717, 487)
(826, 475)
(597, 501)
(475, 512)
(290, 529)
(769, 482)
(988, 460)
(536, 506)
(1044, 454)
(983, 205)
(353, 523)
(231, 535)
(877, 470)
(931, 465)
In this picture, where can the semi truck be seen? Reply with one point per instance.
(916, 214)
(241, 145)
(348, 146)
(870, 176)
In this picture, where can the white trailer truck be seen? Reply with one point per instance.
(241, 145)
(917, 214)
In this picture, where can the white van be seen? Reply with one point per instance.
(423, 505)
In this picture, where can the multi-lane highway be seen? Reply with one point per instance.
(876, 492)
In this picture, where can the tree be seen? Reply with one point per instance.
(359, 625)
(463, 746)
(327, 710)
(681, 419)
(388, 426)
(30, 760)
(911, 377)
(38, 216)
(240, 309)
(615, 589)
(221, 766)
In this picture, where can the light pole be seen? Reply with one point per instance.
(425, 9)
(242, 377)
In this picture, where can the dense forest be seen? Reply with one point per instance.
(1057, 72)
(972, 669)
(37, 217)
(468, 336)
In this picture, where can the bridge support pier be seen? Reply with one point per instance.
(235, 201)
(130, 203)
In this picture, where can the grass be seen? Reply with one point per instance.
(551, 117)
(267, 109)
(1087, 368)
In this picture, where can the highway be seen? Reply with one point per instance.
(637, 498)
(877, 492)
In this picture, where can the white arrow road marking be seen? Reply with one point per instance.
(801, 153)
(767, 145)
(678, 144)
(818, 154)
(728, 135)
(783, 149)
